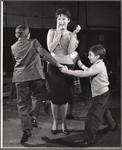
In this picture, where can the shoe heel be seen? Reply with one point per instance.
(66, 132)
(54, 131)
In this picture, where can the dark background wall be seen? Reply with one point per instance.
(100, 22)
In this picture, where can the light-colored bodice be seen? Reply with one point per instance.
(61, 51)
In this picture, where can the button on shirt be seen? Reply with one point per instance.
(99, 79)
(28, 62)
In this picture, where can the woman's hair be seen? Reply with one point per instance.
(63, 11)
(22, 31)
(98, 50)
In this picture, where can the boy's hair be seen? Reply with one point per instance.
(22, 31)
(98, 50)
(63, 11)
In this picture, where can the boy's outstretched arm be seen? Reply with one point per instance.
(48, 57)
(79, 73)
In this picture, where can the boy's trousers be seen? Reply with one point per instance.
(95, 114)
(38, 94)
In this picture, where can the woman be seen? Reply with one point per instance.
(61, 43)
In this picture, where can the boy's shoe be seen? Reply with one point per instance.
(34, 123)
(26, 135)
(107, 129)
(85, 143)
(115, 128)
(46, 107)
(54, 131)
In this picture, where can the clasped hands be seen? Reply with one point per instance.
(63, 69)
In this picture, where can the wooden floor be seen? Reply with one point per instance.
(42, 137)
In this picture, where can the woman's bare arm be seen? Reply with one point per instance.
(52, 40)
(73, 40)
(73, 43)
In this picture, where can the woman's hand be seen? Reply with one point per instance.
(59, 30)
(78, 28)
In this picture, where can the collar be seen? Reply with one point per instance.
(22, 39)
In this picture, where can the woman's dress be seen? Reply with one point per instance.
(59, 84)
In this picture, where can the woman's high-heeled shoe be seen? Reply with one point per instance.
(54, 131)
(66, 132)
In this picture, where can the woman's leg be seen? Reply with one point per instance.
(63, 115)
(54, 109)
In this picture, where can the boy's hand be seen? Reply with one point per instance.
(60, 66)
(64, 70)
